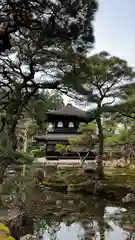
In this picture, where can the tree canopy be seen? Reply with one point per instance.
(37, 40)
(50, 20)
(99, 80)
(41, 102)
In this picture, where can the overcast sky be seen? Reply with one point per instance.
(115, 28)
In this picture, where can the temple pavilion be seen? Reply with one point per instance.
(63, 124)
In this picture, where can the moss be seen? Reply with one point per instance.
(55, 184)
(52, 180)
(116, 187)
(45, 181)
(75, 188)
(120, 174)
(6, 238)
(4, 228)
(83, 187)
(111, 188)
(77, 178)
(120, 181)
(68, 177)
(124, 177)
(5, 233)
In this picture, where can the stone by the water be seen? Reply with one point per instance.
(40, 175)
(29, 237)
(130, 197)
(99, 187)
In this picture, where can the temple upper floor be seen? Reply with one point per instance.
(66, 126)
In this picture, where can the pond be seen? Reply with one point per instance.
(77, 217)
(65, 216)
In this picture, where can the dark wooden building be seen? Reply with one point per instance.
(65, 123)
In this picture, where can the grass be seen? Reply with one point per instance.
(122, 176)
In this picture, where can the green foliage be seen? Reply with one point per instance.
(84, 142)
(38, 152)
(121, 138)
(27, 158)
(99, 80)
(40, 104)
(44, 47)
(20, 158)
(33, 129)
(63, 149)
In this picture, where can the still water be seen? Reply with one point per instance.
(76, 231)
(75, 217)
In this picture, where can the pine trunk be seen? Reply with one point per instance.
(8, 156)
(100, 169)
(3, 168)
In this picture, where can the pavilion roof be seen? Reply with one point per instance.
(55, 137)
(69, 110)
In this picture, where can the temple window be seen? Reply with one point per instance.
(60, 124)
(71, 124)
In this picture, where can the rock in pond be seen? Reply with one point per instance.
(39, 175)
(99, 188)
(29, 237)
(130, 197)
(90, 187)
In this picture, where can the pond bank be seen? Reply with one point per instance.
(111, 188)
(17, 222)
(50, 212)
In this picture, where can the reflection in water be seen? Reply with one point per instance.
(65, 217)
(76, 232)
(66, 232)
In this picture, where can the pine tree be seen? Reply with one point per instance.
(98, 82)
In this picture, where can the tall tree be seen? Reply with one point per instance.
(98, 80)
(43, 37)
